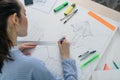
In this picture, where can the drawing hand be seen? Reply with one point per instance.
(64, 48)
(25, 46)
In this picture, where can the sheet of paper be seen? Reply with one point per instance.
(106, 75)
(43, 5)
(85, 32)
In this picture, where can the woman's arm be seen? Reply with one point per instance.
(41, 72)
(69, 66)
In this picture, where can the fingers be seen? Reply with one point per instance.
(25, 46)
(64, 48)
(29, 45)
(65, 41)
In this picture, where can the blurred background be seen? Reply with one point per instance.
(114, 4)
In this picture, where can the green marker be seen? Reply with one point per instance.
(115, 65)
(60, 7)
(90, 60)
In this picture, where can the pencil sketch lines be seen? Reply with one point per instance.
(81, 30)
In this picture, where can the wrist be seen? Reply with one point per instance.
(65, 57)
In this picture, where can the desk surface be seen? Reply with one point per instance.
(98, 8)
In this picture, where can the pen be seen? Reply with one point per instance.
(65, 17)
(115, 65)
(69, 10)
(28, 2)
(83, 54)
(62, 39)
(90, 60)
(88, 54)
(71, 16)
(60, 7)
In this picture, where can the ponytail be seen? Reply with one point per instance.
(7, 8)
(5, 44)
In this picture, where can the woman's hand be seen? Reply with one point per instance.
(64, 47)
(25, 46)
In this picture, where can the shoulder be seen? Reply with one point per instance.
(31, 62)
(25, 61)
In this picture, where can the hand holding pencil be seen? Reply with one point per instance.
(64, 48)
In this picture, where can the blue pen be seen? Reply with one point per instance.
(62, 39)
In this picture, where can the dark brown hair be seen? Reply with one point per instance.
(7, 8)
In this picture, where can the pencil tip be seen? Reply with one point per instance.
(65, 22)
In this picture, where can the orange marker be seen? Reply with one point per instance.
(106, 67)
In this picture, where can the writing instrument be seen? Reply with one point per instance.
(62, 39)
(115, 65)
(88, 54)
(90, 60)
(65, 17)
(106, 67)
(28, 2)
(60, 7)
(71, 16)
(83, 54)
(69, 10)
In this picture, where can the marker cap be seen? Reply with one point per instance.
(69, 10)
(60, 7)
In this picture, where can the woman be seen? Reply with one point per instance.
(13, 64)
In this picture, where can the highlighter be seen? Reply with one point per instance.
(69, 10)
(60, 7)
(90, 60)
